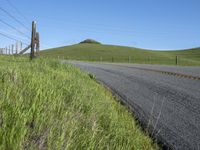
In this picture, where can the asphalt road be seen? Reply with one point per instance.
(168, 105)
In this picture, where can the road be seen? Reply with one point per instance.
(167, 104)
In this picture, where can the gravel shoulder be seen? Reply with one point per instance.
(169, 106)
(193, 71)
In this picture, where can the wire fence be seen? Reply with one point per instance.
(21, 36)
(187, 60)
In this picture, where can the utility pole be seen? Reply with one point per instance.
(33, 39)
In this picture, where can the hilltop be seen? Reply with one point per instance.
(89, 41)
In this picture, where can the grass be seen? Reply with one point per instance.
(110, 53)
(48, 105)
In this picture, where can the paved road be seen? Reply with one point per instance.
(168, 105)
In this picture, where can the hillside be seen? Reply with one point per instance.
(110, 53)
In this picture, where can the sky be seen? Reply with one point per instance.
(149, 24)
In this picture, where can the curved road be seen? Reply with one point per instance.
(167, 104)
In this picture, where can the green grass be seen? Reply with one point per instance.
(109, 53)
(48, 105)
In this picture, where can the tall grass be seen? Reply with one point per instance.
(48, 105)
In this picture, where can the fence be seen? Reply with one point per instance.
(186, 60)
(17, 49)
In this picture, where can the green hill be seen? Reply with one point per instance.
(110, 53)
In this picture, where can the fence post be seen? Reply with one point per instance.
(176, 60)
(149, 58)
(9, 49)
(101, 58)
(32, 54)
(129, 59)
(37, 44)
(21, 46)
(16, 50)
(13, 48)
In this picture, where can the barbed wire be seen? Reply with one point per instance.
(14, 18)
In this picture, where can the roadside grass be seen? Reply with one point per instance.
(48, 105)
(111, 53)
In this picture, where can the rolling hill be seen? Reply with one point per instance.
(111, 53)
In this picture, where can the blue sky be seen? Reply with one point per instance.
(152, 24)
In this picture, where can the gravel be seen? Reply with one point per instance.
(167, 105)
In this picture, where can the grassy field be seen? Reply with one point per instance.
(48, 105)
(109, 53)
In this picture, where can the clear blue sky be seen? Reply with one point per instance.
(152, 24)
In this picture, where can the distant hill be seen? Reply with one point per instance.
(89, 41)
(111, 53)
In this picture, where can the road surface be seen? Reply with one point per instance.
(167, 104)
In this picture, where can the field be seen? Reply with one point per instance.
(109, 53)
(48, 105)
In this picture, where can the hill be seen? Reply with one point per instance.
(89, 41)
(111, 53)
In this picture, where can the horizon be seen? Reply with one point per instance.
(171, 25)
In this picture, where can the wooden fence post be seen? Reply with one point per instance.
(13, 48)
(37, 44)
(101, 59)
(32, 54)
(176, 60)
(21, 46)
(129, 59)
(16, 48)
(9, 50)
(149, 59)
